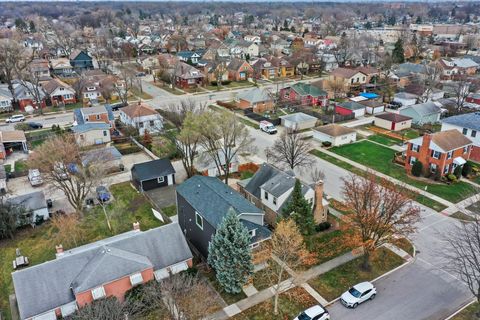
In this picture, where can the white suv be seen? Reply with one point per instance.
(357, 294)
(314, 313)
(15, 118)
(35, 177)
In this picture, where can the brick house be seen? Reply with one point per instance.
(469, 125)
(106, 268)
(187, 76)
(348, 77)
(264, 69)
(443, 151)
(239, 70)
(306, 94)
(256, 98)
(59, 92)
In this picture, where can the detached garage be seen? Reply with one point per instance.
(153, 174)
(336, 134)
(350, 107)
(298, 121)
(373, 106)
(393, 121)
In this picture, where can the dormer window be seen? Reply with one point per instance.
(252, 233)
(265, 196)
(90, 88)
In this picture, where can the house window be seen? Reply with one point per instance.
(199, 220)
(465, 131)
(98, 117)
(433, 167)
(274, 200)
(412, 160)
(449, 155)
(104, 133)
(265, 195)
(140, 124)
(160, 179)
(252, 233)
(473, 134)
(465, 149)
(436, 154)
(98, 293)
(152, 123)
(254, 245)
(445, 170)
(415, 147)
(136, 279)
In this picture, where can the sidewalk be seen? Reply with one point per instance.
(285, 285)
(388, 178)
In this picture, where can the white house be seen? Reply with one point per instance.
(336, 134)
(34, 207)
(406, 99)
(143, 117)
(205, 164)
(5, 99)
(469, 125)
(91, 133)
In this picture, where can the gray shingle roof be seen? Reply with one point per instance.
(153, 169)
(424, 109)
(211, 198)
(48, 285)
(254, 95)
(298, 117)
(82, 128)
(468, 120)
(30, 201)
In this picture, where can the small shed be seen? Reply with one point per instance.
(153, 174)
(110, 156)
(350, 107)
(34, 207)
(373, 106)
(336, 134)
(393, 121)
(298, 121)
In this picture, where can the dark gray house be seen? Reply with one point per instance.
(203, 202)
(153, 174)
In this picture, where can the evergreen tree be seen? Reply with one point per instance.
(368, 25)
(230, 255)
(398, 54)
(300, 210)
(31, 26)
(419, 20)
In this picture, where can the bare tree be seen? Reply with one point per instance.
(223, 138)
(11, 216)
(291, 149)
(127, 76)
(69, 233)
(430, 80)
(187, 143)
(461, 90)
(64, 37)
(462, 252)
(31, 81)
(68, 170)
(181, 294)
(176, 113)
(380, 212)
(337, 87)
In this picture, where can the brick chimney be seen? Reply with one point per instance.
(136, 226)
(319, 213)
(59, 249)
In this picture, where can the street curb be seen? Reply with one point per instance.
(460, 310)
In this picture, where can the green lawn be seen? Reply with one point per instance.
(290, 304)
(462, 216)
(388, 141)
(229, 298)
(410, 134)
(405, 244)
(328, 245)
(332, 284)
(380, 158)
(21, 166)
(468, 313)
(170, 210)
(265, 278)
(38, 244)
(342, 164)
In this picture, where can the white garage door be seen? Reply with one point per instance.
(46, 316)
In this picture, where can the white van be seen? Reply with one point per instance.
(35, 177)
(267, 127)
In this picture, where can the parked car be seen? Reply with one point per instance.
(140, 74)
(116, 106)
(102, 194)
(35, 125)
(35, 177)
(267, 127)
(314, 313)
(15, 118)
(357, 294)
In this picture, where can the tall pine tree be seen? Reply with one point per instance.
(300, 210)
(398, 55)
(230, 255)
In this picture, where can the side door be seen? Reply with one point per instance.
(365, 295)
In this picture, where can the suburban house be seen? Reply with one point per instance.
(11, 141)
(258, 99)
(422, 113)
(102, 269)
(443, 151)
(59, 92)
(348, 77)
(284, 67)
(33, 207)
(187, 76)
(141, 116)
(98, 114)
(271, 189)
(202, 204)
(109, 156)
(350, 107)
(153, 174)
(298, 121)
(392, 121)
(336, 134)
(206, 165)
(264, 69)
(304, 94)
(473, 98)
(5, 99)
(23, 93)
(61, 67)
(80, 60)
(239, 70)
(405, 98)
(190, 57)
(91, 133)
(426, 94)
(469, 125)
(454, 66)
(40, 69)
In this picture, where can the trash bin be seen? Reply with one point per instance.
(49, 203)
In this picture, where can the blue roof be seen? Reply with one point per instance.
(369, 95)
(468, 120)
(85, 127)
(212, 199)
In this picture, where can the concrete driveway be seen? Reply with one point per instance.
(162, 197)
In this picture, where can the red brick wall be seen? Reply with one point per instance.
(26, 102)
(103, 117)
(475, 154)
(115, 288)
(342, 111)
